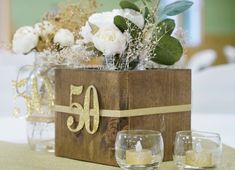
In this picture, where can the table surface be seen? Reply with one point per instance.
(20, 157)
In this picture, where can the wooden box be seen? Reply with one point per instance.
(166, 90)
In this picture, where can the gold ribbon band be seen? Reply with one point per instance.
(128, 113)
(40, 119)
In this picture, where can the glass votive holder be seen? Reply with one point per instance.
(197, 150)
(139, 149)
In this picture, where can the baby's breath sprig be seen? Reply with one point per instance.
(71, 16)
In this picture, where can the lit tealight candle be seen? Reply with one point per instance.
(138, 156)
(199, 159)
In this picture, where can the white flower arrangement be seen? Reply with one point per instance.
(122, 39)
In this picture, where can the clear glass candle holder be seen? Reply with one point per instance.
(41, 135)
(139, 149)
(197, 150)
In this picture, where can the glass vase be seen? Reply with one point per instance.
(37, 90)
(40, 123)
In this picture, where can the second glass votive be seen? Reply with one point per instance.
(139, 149)
(197, 150)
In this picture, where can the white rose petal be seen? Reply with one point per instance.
(104, 19)
(86, 33)
(135, 17)
(109, 41)
(44, 28)
(64, 37)
(24, 40)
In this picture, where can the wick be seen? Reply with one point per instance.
(138, 147)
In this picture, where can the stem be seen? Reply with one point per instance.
(146, 4)
(156, 7)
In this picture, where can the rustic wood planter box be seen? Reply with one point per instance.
(121, 90)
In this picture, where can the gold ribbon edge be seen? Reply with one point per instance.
(128, 113)
(40, 119)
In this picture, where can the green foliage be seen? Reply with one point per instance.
(166, 26)
(133, 64)
(127, 4)
(120, 22)
(146, 13)
(177, 7)
(168, 51)
(124, 24)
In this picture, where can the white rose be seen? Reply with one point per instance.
(109, 41)
(24, 40)
(103, 19)
(86, 33)
(64, 37)
(44, 28)
(106, 19)
(134, 16)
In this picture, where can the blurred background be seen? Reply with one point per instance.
(209, 28)
(209, 24)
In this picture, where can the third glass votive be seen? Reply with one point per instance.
(197, 150)
(139, 149)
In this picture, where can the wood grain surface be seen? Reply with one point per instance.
(119, 90)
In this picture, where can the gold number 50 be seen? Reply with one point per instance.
(84, 112)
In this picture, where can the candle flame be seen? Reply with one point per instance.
(138, 147)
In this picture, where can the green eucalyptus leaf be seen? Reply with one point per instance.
(127, 4)
(123, 23)
(146, 13)
(177, 7)
(168, 51)
(166, 27)
(133, 64)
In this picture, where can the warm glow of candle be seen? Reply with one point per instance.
(199, 159)
(138, 156)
